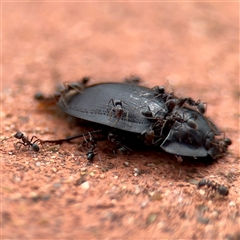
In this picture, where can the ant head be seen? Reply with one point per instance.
(159, 89)
(85, 80)
(39, 96)
(201, 107)
(18, 135)
(171, 103)
(227, 141)
(118, 102)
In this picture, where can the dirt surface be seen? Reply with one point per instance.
(191, 48)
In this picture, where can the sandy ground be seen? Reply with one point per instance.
(191, 48)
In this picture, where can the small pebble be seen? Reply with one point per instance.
(16, 178)
(57, 185)
(85, 185)
(232, 204)
(37, 164)
(192, 181)
(34, 196)
(151, 165)
(203, 220)
(144, 204)
(215, 214)
(136, 172)
(137, 189)
(151, 218)
(160, 224)
(70, 179)
(202, 192)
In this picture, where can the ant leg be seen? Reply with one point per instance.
(20, 145)
(133, 79)
(37, 139)
(111, 101)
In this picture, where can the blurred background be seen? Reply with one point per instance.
(185, 42)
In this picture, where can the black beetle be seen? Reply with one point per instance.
(94, 105)
(177, 125)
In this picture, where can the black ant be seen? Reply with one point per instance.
(220, 144)
(77, 86)
(90, 153)
(200, 106)
(27, 142)
(177, 122)
(180, 120)
(117, 140)
(117, 109)
(215, 187)
(173, 103)
(89, 145)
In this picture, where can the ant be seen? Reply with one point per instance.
(91, 142)
(215, 187)
(177, 122)
(198, 105)
(89, 145)
(173, 103)
(68, 87)
(220, 144)
(117, 109)
(151, 134)
(27, 142)
(117, 141)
